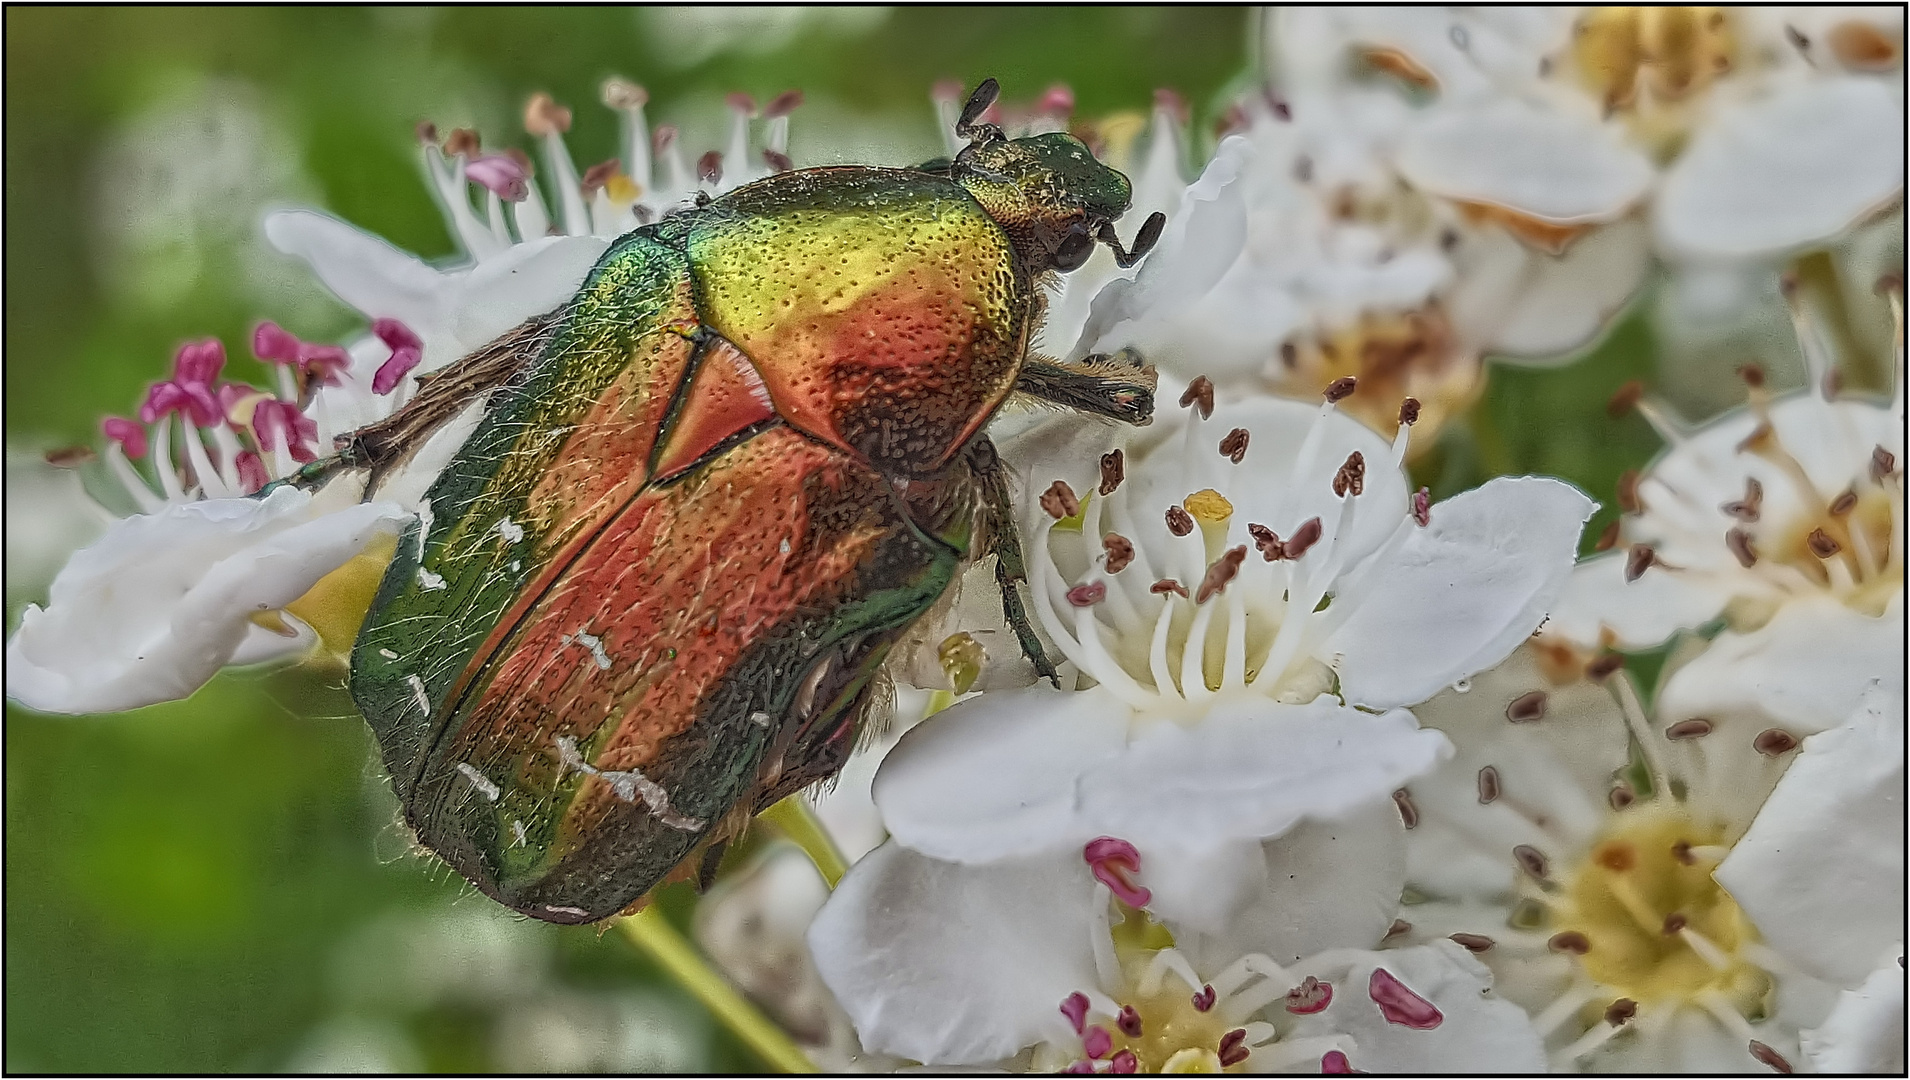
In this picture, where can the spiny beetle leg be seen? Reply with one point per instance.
(1119, 387)
(997, 528)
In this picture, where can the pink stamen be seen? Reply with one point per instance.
(946, 90)
(321, 363)
(1125, 1062)
(131, 437)
(252, 474)
(709, 167)
(1335, 1062)
(1204, 999)
(663, 137)
(1057, 101)
(1309, 997)
(1233, 1048)
(1075, 1008)
(279, 423)
(1129, 1022)
(1097, 1042)
(1422, 507)
(407, 349)
(1087, 595)
(1399, 1005)
(500, 175)
(189, 391)
(1112, 860)
(782, 104)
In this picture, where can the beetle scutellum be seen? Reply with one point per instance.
(651, 594)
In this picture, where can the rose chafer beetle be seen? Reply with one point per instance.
(651, 594)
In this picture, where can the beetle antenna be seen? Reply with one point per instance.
(1144, 240)
(967, 126)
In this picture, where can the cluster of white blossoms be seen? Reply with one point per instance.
(1334, 776)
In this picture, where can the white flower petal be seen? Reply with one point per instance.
(1251, 769)
(1478, 1032)
(1807, 669)
(1795, 168)
(162, 601)
(1566, 299)
(1326, 885)
(529, 279)
(365, 271)
(950, 964)
(1821, 870)
(1640, 614)
(1864, 1033)
(1460, 594)
(995, 777)
(1558, 167)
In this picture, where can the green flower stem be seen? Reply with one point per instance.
(654, 935)
(797, 820)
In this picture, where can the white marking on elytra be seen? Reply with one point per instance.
(521, 835)
(424, 525)
(629, 785)
(479, 781)
(510, 530)
(417, 692)
(760, 719)
(592, 642)
(558, 909)
(387, 654)
(429, 581)
(516, 565)
(784, 547)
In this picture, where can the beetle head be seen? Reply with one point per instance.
(1046, 191)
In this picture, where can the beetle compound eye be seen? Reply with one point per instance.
(1073, 250)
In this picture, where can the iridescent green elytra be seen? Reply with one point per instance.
(651, 594)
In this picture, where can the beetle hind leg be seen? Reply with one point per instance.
(996, 527)
(1119, 385)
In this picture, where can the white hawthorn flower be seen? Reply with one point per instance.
(1060, 964)
(207, 574)
(1249, 601)
(1741, 132)
(1785, 519)
(1685, 896)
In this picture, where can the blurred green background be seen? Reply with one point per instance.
(218, 884)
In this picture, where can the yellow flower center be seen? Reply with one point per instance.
(1395, 356)
(1647, 920)
(335, 607)
(1645, 61)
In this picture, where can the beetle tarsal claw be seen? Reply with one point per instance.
(1144, 240)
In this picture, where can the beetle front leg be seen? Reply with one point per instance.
(996, 525)
(1118, 386)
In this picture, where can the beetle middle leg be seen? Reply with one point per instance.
(1119, 386)
(996, 529)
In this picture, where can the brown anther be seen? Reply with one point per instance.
(1341, 388)
(520, 159)
(1628, 492)
(1289, 355)
(778, 161)
(1787, 285)
(709, 167)
(1822, 544)
(1113, 470)
(1844, 504)
(1422, 507)
(1087, 594)
(1167, 585)
(1608, 538)
(1267, 541)
(1620, 1012)
(782, 104)
(1351, 479)
(1639, 561)
(1569, 941)
(1120, 552)
(1694, 728)
(624, 94)
(1409, 411)
(1882, 464)
(1774, 742)
(1621, 795)
(1675, 922)
(1199, 394)
(1616, 856)
(70, 457)
(1747, 508)
(543, 116)
(1752, 374)
(1769, 1057)
(1129, 1022)
(1681, 851)
(1179, 521)
(1408, 810)
(1059, 501)
(599, 174)
(1833, 383)
(1235, 1054)
(1527, 707)
(1602, 667)
(740, 102)
(1862, 45)
(462, 141)
(1739, 542)
(1234, 446)
(1472, 942)
(1531, 860)
(427, 132)
(1400, 926)
(1624, 399)
(1488, 785)
(1309, 997)
(1220, 573)
(1303, 538)
(1889, 284)
(1204, 998)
